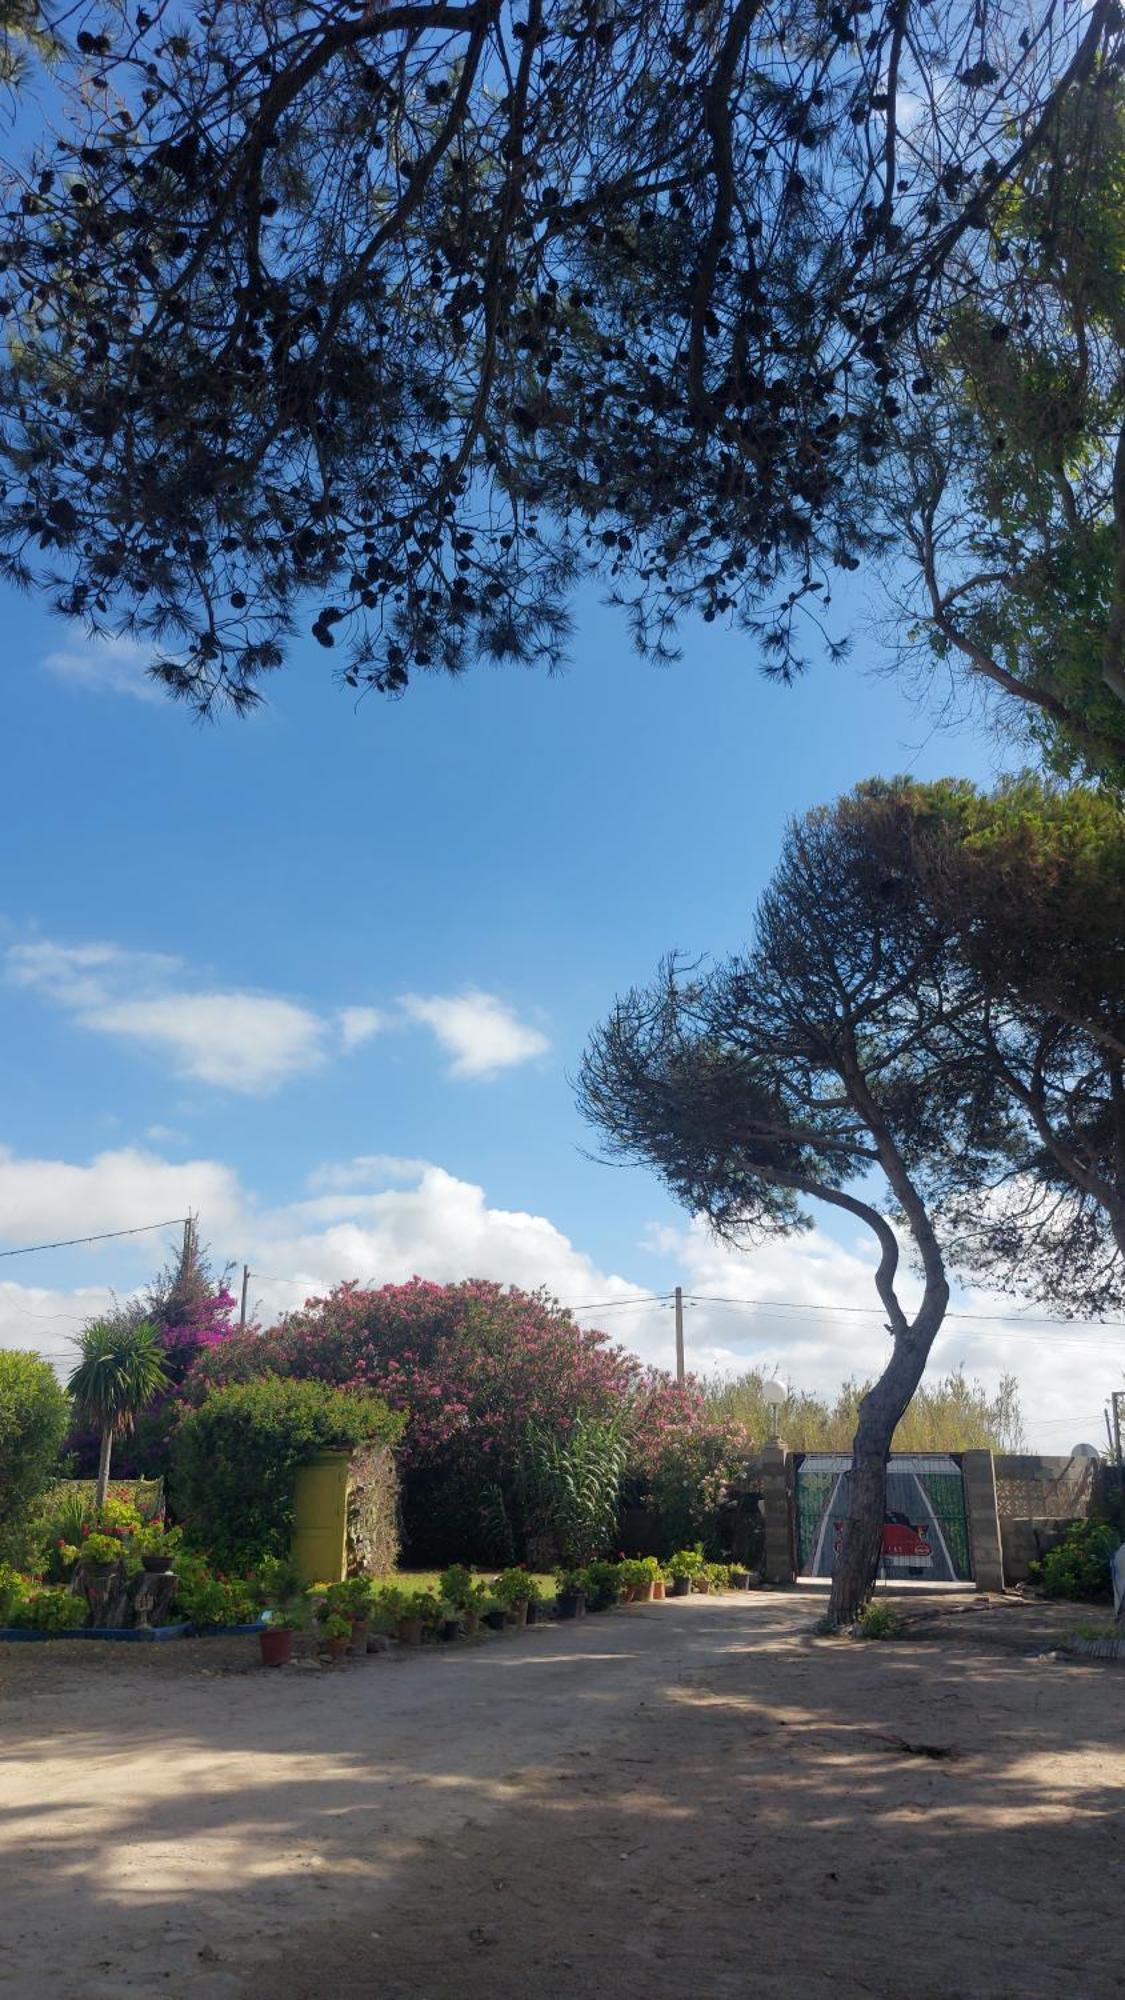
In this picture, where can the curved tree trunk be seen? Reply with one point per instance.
(103, 1467)
(880, 1412)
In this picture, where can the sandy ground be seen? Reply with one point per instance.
(685, 1801)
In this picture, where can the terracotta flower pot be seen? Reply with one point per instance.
(471, 1622)
(627, 1593)
(658, 1591)
(702, 1584)
(276, 1642)
(516, 1614)
(337, 1648)
(361, 1628)
(409, 1631)
(642, 1593)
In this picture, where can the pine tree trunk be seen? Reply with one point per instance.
(853, 1578)
(857, 1565)
(103, 1467)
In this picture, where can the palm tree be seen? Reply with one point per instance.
(120, 1368)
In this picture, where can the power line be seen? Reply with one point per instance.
(107, 1235)
(799, 1305)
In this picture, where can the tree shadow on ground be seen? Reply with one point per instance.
(662, 1807)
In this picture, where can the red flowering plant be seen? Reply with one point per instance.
(476, 1367)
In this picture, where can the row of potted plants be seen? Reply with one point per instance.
(643, 1580)
(345, 1614)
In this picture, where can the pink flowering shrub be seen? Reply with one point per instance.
(472, 1365)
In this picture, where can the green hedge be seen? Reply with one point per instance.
(34, 1414)
(236, 1459)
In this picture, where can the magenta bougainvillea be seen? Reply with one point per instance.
(196, 1325)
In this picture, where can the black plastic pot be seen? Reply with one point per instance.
(494, 1620)
(156, 1565)
(740, 1579)
(570, 1604)
(450, 1628)
(681, 1586)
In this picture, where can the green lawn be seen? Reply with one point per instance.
(427, 1579)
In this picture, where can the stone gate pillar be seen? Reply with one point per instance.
(979, 1476)
(780, 1564)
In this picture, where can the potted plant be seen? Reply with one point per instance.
(739, 1578)
(352, 1599)
(659, 1586)
(419, 1609)
(277, 1592)
(570, 1593)
(99, 1556)
(641, 1573)
(337, 1630)
(448, 1621)
(512, 1589)
(464, 1595)
(493, 1613)
(682, 1567)
(156, 1546)
(718, 1575)
(603, 1585)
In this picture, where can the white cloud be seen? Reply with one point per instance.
(241, 1041)
(104, 666)
(481, 1034)
(783, 1306)
(357, 1025)
(44, 1199)
(249, 1042)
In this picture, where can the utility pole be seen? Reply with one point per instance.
(680, 1334)
(1118, 1399)
(245, 1283)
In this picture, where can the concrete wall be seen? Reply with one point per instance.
(1030, 1487)
(1025, 1542)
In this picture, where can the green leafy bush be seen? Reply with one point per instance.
(602, 1585)
(237, 1457)
(207, 1597)
(48, 1609)
(13, 1593)
(878, 1622)
(34, 1414)
(456, 1584)
(686, 1562)
(515, 1586)
(1079, 1565)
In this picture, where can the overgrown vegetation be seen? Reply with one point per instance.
(948, 1414)
(1079, 1565)
(237, 1455)
(33, 1419)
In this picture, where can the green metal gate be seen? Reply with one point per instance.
(925, 1527)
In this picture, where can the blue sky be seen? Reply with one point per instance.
(322, 976)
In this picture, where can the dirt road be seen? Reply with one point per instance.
(686, 1801)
